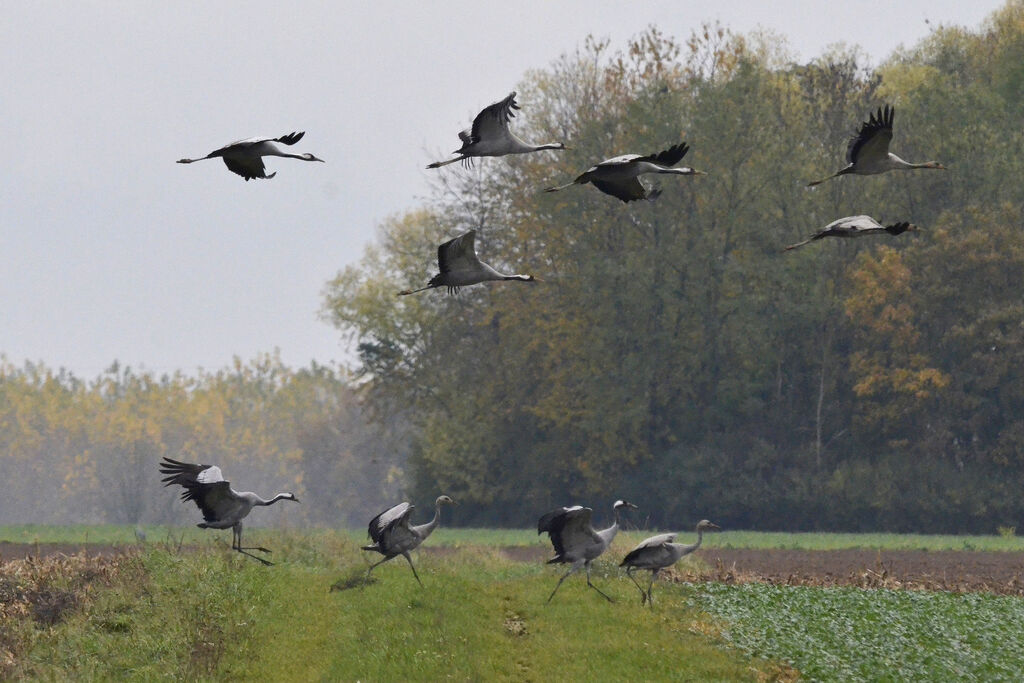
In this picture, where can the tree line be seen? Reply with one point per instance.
(674, 356)
(87, 451)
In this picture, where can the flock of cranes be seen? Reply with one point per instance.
(867, 153)
(572, 535)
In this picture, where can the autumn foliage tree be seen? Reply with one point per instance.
(673, 355)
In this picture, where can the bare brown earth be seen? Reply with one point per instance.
(950, 570)
(20, 551)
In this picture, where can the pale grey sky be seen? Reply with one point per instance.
(109, 250)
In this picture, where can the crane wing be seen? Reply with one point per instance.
(669, 157)
(627, 190)
(458, 254)
(615, 161)
(388, 520)
(872, 142)
(216, 501)
(291, 138)
(571, 529)
(188, 474)
(652, 548)
(855, 223)
(492, 122)
(545, 523)
(204, 484)
(248, 168)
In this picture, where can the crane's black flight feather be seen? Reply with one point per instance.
(879, 123)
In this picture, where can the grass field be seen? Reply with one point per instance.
(200, 612)
(125, 534)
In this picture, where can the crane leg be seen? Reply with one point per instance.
(643, 594)
(595, 587)
(573, 570)
(386, 558)
(236, 544)
(439, 164)
(409, 559)
(650, 598)
(238, 541)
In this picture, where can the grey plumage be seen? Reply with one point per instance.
(245, 157)
(867, 152)
(392, 536)
(659, 552)
(575, 540)
(620, 176)
(222, 506)
(490, 136)
(459, 266)
(856, 226)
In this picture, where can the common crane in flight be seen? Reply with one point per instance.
(867, 153)
(392, 536)
(856, 226)
(576, 542)
(221, 505)
(657, 553)
(620, 176)
(490, 137)
(245, 157)
(460, 267)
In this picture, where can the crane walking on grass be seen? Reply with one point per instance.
(576, 542)
(657, 553)
(221, 505)
(856, 226)
(490, 136)
(620, 176)
(460, 267)
(245, 157)
(868, 153)
(392, 536)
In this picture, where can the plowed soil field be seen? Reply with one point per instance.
(952, 570)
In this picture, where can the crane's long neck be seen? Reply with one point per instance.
(682, 170)
(287, 155)
(901, 164)
(679, 550)
(261, 501)
(608, 535)
(425, 530)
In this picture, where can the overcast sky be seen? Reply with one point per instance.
(109, 250)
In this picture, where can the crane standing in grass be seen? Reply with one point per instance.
(576, 542)
(620, 176)
(222, 506)
(657, 553)
(490, 136)
(868, 153)
(459, 267)
(245, 157)
(392, 536)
